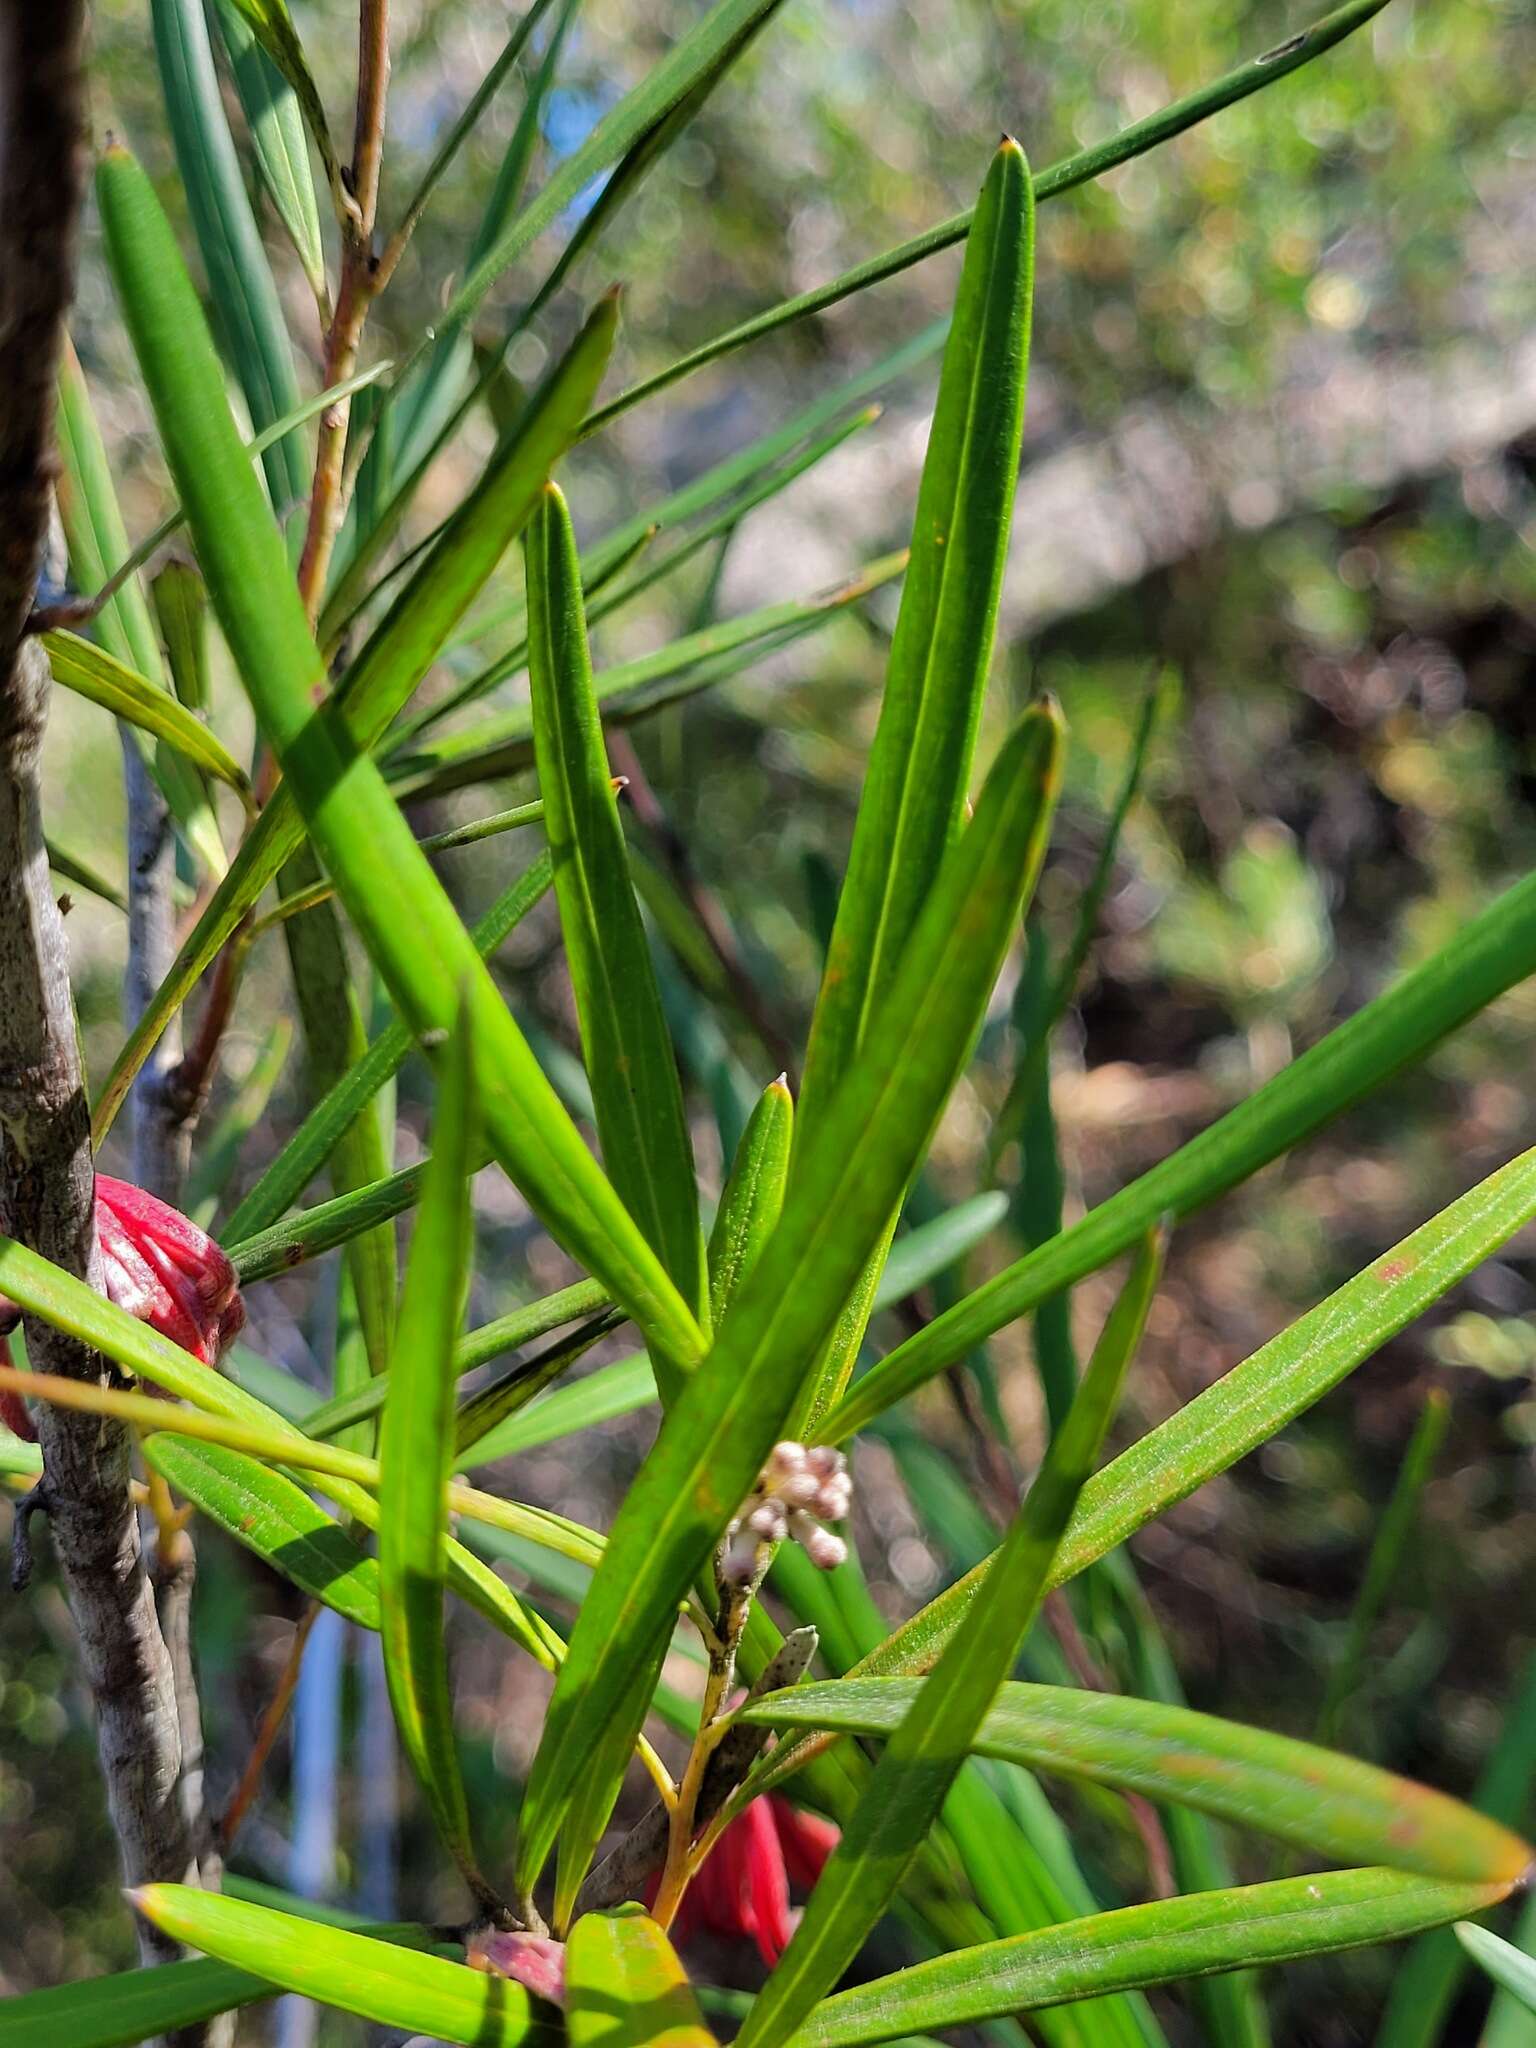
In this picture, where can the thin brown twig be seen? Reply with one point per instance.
(353, 298)
(266, 1735)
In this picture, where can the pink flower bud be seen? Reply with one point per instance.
(533, 1960)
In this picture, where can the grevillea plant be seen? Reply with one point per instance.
(802, 1807)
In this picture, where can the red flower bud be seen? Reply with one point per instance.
(158, 1266)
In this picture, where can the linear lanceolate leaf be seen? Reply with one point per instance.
(396, 904)
(613, 1390)
(415, 1448)
(273, 115)
(181, 611)
(270, 1515)
(1505, 1964)
(1315, 1799)
(917, 780)
(395, 1986)
(1133, 141)
(476, 1348)
(636, 1091)
(1486, 957)
(272, 25)
(713, 1443)
(396, 656)
(1255, 1400)
(91, 672)
(752, 1197)
(129, 2007)
(243, 295)
(1293, 1919)
(943, 1714)
(625, 1988)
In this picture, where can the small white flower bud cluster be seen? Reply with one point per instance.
(797, 1491)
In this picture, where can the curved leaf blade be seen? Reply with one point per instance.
(265, 1511)
(1136, 1946)
(753, 1195)
(1315, 1799)
(276, 122)
(1132, 141)
(415, 1447)
(636, 1090)
(129, 2007)
(396, 1987)
(91, 672)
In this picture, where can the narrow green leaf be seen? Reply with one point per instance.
(241, 291)
(1503, 1962)
(928, 1249)
(917, 780)
(1294, 1919)
(752, 1197)
(713, 1443)
(1316, 1800)
(476, 1348)
(181, 608)
(510, 1392)
(1255, 1400)
(276, 122)
(93, 673)
(1133, 141)
(625, 1988)
(272, 25)
(302, 1157)
(602, 567)
(614, 1390)
(276, 1519)
(1511, 2019)
(130, 2007)
(269, 437)
(416, 1444)
(396, 656)
(946, 1715)
(468, 119)
(69, 867)
(419, 1993)
(1486, 957)
(636, 1091)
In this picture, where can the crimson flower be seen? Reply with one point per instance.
(743, 1886)
(160, 1267)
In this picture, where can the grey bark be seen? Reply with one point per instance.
(47, 1181)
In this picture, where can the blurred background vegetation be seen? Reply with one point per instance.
(1281, 464)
